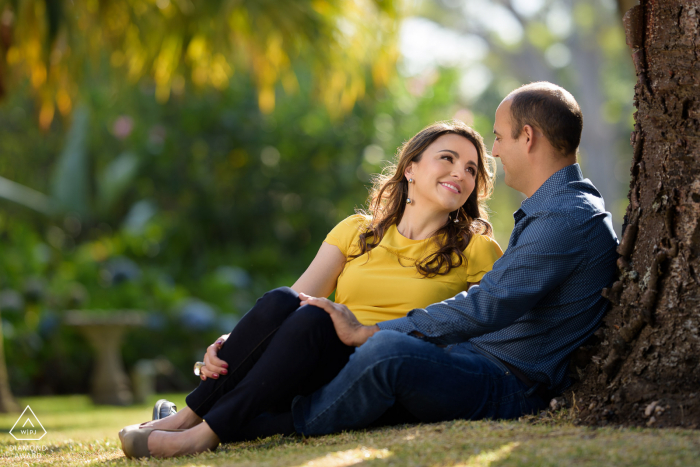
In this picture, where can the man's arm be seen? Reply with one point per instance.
(548, 251)
(350, 331)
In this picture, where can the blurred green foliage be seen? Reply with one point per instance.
(188, 210)
(175, 158)
(346, 46)
(191, 207)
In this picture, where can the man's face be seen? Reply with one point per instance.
(508, 149)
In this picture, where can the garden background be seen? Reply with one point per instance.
(180, 158)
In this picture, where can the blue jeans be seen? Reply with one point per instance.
(431, 383)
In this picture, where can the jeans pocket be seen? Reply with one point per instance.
(494, 360)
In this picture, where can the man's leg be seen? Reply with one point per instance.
(431, 383)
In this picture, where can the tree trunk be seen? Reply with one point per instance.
(644, 368)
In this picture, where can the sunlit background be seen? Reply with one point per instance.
(180, 158)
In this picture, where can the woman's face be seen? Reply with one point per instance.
(445, 176)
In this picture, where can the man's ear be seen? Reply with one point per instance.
(528, 135)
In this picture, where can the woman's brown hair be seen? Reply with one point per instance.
(387, 201)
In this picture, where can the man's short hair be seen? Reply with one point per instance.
(550, 108)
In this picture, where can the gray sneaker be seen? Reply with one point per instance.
(163, 408)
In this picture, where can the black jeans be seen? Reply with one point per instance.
(277, 351)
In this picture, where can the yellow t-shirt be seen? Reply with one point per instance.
(385, 283)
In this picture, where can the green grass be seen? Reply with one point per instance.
(80, 433)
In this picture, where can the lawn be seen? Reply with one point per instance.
(80, 433)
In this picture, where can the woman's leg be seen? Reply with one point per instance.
(245, 345)
(303, 355)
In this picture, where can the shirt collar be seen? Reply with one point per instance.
(570, 173)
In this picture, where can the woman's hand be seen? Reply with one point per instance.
(213, 365)
(350, 331)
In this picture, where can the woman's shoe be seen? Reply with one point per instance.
(135, 441)
(128, 428)
(163, 408)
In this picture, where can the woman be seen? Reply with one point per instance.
(424, 239)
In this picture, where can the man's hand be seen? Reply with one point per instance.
(349, 330)
(213, 365)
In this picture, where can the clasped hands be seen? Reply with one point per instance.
(213, 365)
(350, 332)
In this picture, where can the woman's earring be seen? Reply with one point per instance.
(410, 180)
(408, 200)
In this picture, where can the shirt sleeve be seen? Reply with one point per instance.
(345, 234)
(539, 262)
(482, 252)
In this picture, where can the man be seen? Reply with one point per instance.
(501, 349)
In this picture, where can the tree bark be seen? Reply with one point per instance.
(644, 365)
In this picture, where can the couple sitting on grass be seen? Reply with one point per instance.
(432, 321)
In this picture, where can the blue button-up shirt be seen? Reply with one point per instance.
(542, 299)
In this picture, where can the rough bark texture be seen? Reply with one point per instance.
(643, 366)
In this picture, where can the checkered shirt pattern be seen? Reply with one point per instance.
(542, 299)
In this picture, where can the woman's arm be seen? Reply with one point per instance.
(321, 277)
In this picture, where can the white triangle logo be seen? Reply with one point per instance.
(29, 429)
